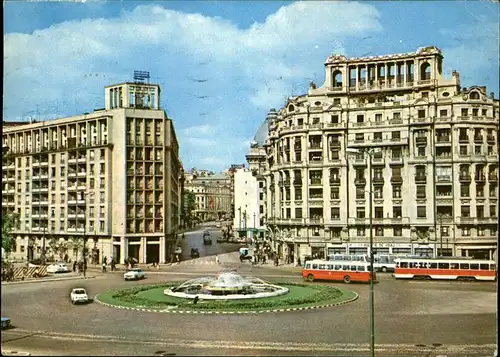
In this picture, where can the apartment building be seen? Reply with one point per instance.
(110, 178)
(213, 194)
(432, 147)
(247, 216)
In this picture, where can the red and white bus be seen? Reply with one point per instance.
(445, 269)
(345, 271)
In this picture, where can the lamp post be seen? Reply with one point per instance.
(371, 302)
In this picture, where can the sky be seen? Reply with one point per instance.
(222, 64)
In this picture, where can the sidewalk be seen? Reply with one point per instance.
(58, 277)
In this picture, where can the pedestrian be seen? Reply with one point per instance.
(105, 260)
(74, 266)
(103, 267)
(113, 264)
(276, 260)
(217, 259)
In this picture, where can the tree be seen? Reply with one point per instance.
(78, 244)
(189, 207)
(10, 222)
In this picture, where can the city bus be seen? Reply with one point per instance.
(345, 271)
(445, 269)
(382, 262)
(349, 257)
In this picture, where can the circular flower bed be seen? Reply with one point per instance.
(152, 297)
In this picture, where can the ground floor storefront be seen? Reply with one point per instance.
(149, 249)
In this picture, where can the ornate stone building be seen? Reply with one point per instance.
(433, 151)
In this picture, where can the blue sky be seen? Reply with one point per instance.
(58, 56)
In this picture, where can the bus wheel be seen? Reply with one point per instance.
(347, 279)
(384, 269)
(310, 277)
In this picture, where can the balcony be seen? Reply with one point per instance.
(463, 139)
(492, 177)
(378, 180)
(360, 181)
(315, 182)
(396, 160)
(478, 138)
(490, 139)
(480, 178)
(334, 181)
(464, 177)
(420, 178)
(297, 182)
(315, 146)
(334, 144)
(443, 139)
(396, 179)
(421, 140)
(444, 178)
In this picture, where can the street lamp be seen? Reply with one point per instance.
(369, 152)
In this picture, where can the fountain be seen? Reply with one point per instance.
(226, 286)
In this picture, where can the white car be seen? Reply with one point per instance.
(57, 268)
(134, 274)
(218, 225)
(79, 295)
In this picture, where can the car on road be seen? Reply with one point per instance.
(218, 225)
(134, 274)
(58, 268)
(6, 323)
(79, 296)
(195, 253)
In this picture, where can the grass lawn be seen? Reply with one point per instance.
(299, 295)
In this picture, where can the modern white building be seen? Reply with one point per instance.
(247, 220)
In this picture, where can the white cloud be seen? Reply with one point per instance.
(247, 70)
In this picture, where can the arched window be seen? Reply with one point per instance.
(337, 79)
(425, 71)
(474, 95)
(291, 108)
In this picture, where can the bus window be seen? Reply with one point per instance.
(453, 265)
(345, 267)
(492, 267)
(329, 267)
(308, 266)
(483, 266)
(338, 267)
(404, 264)
(353, 268)
(464, 265)
(322, 267)
(338, 257)
(474, 266)
(433, 266)
(443, 265)
(315, 266)
(361, 268)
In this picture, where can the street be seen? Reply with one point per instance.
(194, 239)
(413, 318)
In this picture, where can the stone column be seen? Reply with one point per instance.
(385, 75)
(144, 246)
(357, 77)
(376, 74)
(367, 77)
(123, 249)
(162, 251)
(405, 76)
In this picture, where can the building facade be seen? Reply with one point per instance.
(108, 178)
(247, 218)
(213, 194)
(433, 153)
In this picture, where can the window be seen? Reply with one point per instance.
(360, 118)
(493, 190)
(360, 212)
(334, 119)
(379, 231)
(298, 212)
(477, 149)
(421, 151)
(379, 212)
(360, 193)
(421, 191)
(398, 232)
(396, 191)
(421, 113)
(465, 112)
(425, 94)
(298, 193)
(101, 226)
(361, 232)
(465, 211)
(335, 193)
(359, 137)
(377, 136)
(445, 231)
(335, 213)
(421, 212)
(480, 211)
(443, 113)
(336, 101)
(396, 135)
(396, 153)
(493, 211)
(396, 212)
(479, 190)
(378, 191)
(464, 191)
(378, 117)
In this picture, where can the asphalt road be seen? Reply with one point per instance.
(413, 318)
(194, 239)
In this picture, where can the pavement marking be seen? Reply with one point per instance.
(194, 312)
(262, 345)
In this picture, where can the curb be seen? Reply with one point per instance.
(15, 353)
(193, 312)
(45, 280)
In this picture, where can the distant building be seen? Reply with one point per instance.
(110, 177)
(247, 219)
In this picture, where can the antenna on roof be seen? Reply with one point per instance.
(140, 76)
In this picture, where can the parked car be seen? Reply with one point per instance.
(57, 268)
(6, 323)
(79, 295)
(134, 274)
